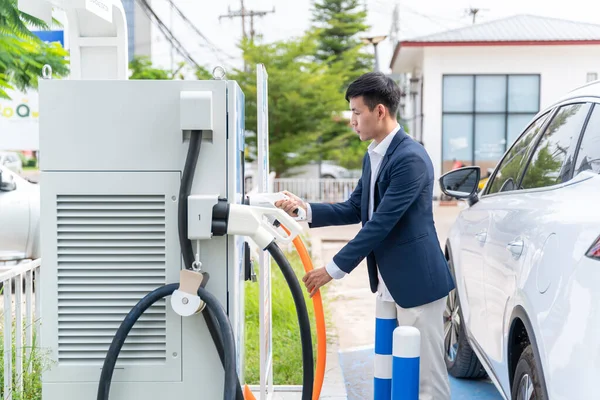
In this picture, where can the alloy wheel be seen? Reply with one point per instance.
(525, 390)
(451, 325)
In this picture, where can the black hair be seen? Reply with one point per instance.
(376, 88)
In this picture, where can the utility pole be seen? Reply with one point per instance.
(474, 11)
(243, 13)
(395, 27)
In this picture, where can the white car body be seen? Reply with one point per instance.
(12, 161)
(522, 266)
(19, 219)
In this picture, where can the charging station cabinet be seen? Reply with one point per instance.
(112, 154)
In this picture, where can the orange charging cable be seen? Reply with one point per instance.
(320, 323)
(319, 318)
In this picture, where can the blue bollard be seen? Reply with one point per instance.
(405, 367)
(385, 323)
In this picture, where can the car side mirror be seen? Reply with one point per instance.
(7, 185)
(461, 183)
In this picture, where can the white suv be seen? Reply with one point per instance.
(19, 217)
(525, 254)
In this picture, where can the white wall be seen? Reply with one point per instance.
(562, 68)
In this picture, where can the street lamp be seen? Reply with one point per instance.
(374, 40)
(414, 86)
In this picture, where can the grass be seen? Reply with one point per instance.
(32, 382)
(287, 348)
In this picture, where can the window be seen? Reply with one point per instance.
(483, 114)
(552, 162)
(513, 164)
(588, 158)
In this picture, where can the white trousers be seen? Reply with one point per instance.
(429, 320)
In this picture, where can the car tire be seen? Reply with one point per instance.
(461, 360)
(526, 381)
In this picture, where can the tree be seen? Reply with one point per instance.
(304, 97)
(22, 54)
(141, 68)
(338, 24)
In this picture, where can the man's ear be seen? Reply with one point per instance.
(381, 111)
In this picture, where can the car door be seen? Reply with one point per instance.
(14, 220)
(474, 226)
(518, 231)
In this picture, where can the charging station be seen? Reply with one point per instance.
(113, 156)
(144, 225)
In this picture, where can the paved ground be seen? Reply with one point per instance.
(352, 307)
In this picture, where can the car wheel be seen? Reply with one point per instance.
(461, 361)
(526, 382)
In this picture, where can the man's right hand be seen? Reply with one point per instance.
(291, 204)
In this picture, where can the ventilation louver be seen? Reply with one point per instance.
(111, 252)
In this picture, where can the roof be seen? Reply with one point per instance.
(525, 27)
(516, 30)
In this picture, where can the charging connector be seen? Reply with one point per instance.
(209, 215)
(269, 199)
(256, 223)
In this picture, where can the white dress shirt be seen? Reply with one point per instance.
(376, 154)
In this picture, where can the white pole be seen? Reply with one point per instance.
(405, 368)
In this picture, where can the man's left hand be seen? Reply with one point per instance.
(314, 279)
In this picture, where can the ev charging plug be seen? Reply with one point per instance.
(210, 216)
(269, 200)
(256, 223)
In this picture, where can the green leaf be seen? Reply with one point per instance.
(22, 54)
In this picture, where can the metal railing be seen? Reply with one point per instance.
(19, 337)
(317, 190)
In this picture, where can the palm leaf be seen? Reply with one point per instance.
(23, 54)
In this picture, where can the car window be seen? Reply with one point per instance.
(552, 162)
(588, 158)
(510, 168)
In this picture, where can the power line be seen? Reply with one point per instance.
(167, 32)
(243, 13)
(210, 45)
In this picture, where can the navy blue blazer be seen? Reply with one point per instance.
(400, 238)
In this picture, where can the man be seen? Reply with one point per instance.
(393, 200)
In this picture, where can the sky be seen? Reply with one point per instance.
(292, 17)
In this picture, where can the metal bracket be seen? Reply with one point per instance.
(185, 300)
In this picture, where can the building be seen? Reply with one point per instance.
(474, 89)
(139, 29)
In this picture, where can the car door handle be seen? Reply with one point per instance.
(481, 237)
(516, 247)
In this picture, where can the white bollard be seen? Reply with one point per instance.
(405, 367)
(385, 323)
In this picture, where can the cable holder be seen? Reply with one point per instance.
(185, 300)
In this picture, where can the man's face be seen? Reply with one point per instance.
(364, 121)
